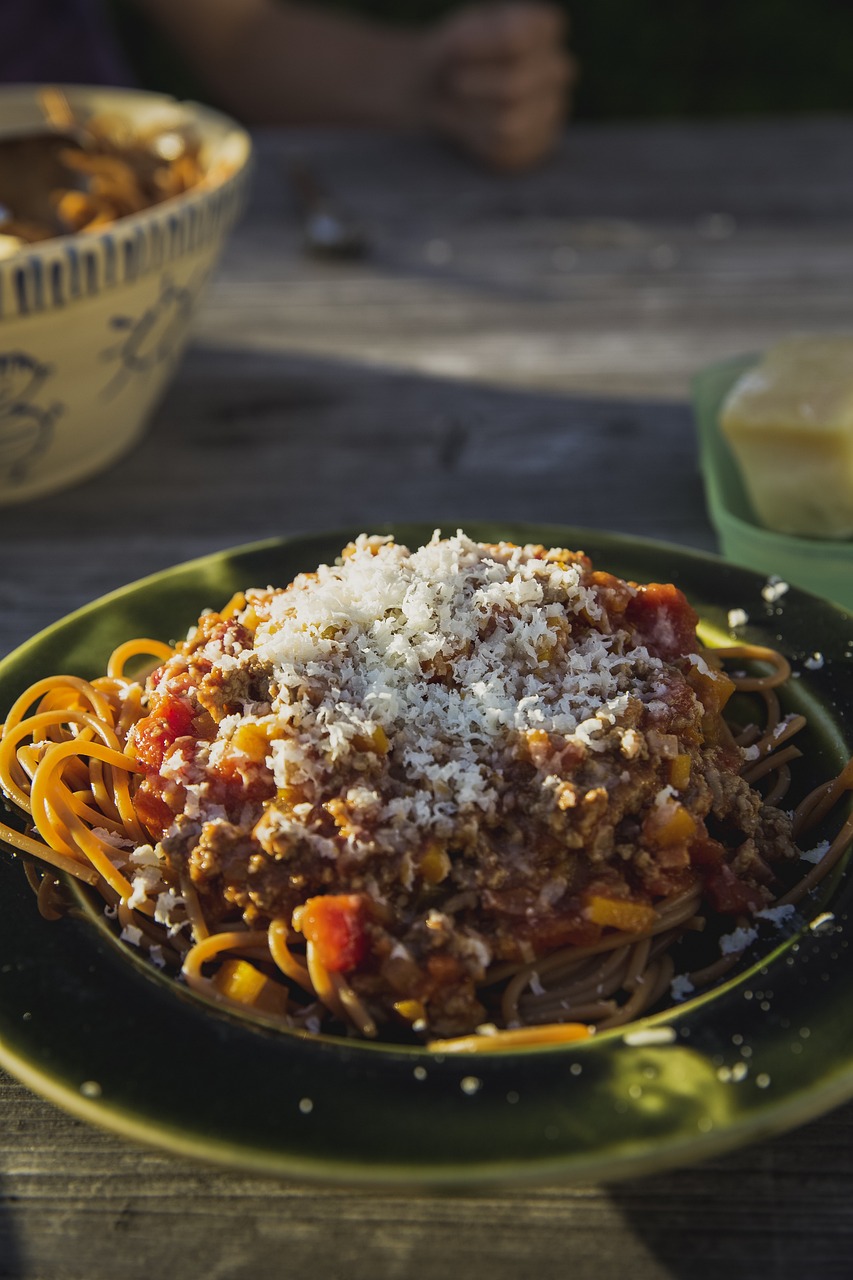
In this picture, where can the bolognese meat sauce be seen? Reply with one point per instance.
(426, 763)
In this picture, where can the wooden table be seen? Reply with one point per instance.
(512, 347)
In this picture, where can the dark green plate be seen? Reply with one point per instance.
(114, 1042)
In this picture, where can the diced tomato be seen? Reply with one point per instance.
(707, 854)
(517, 902)
(731, 896)
(665, 882)
(614, 592)
(151, 809)
(149, 741)
(232, 786)
(663, 620)
(178, 716)
(171, 718)
(335, 924)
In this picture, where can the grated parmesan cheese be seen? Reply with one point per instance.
(681, 987)
(773, 590)
(467, 746)
(738, 940)
(360, 647)
(776, 915)
(816, 854)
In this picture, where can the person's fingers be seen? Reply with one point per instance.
(500, 81)
(506, 138)
(525, 136)
(512, 83)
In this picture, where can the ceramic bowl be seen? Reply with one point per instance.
(92, 325)
(819, 565)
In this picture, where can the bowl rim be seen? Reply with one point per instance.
(65, 271)
(202, 112)
(27, 90)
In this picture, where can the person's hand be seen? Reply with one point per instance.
(497, 81)
(494, 77)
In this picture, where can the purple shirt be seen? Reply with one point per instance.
(60, 42)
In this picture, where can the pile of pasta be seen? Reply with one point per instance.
(64, 765)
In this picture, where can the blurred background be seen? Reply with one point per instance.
(664, 58)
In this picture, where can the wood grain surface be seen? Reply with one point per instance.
(511, 347)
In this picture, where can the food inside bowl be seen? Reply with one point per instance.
(477, 793)
(789, 422)
(82, 173)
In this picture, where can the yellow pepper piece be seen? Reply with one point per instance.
(535, 746)
(514, 1038)
(234, 605)
(253, 740)
(250, 619)
(545, 652)
(670, 824)
(376, 741)
(410, 1010)
(679, 772)
(630, 917)
(240, 981)
(712, 688)
(434, 864)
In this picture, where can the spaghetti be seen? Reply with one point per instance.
(482, 795)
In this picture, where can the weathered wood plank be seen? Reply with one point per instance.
(515, 348)
(286, 443)
(627, 263)
(72, 1200)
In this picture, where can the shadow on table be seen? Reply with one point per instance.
(248, 444)
(777, 1210)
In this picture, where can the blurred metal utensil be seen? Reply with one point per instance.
(329, 231)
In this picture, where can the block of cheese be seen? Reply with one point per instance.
(789, 423)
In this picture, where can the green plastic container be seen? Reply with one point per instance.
(819, 565)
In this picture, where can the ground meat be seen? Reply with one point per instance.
(499, 728)
(236, 689)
